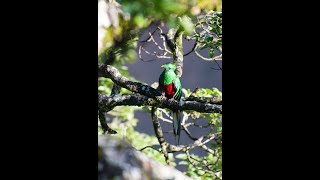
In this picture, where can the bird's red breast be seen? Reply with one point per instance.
(169, 90)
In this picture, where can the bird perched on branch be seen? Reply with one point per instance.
(169, 84)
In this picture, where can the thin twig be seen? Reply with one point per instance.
(197, 125)
(196, 163)
(151, 148)
(218, 64)
(149, 36)
(188, 133)
(194, 46)
(164, 40)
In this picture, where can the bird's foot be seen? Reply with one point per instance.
(171, 100)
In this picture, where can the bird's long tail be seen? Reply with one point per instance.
(177, 125)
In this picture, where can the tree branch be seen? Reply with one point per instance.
(197, 143)
(107, 102)
(213, 100)
(194, 46)
(115, 89)
(150, 34)
(159, 134)
(178, 49)
(152, 147)
(104, 125)
(207, 149)
(113, 73)
(197, 125)
(188, 133)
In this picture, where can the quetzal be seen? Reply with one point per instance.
(169, 84)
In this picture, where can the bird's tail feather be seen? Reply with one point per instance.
(177, 125)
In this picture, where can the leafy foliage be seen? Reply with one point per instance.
(208, 32)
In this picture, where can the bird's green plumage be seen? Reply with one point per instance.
(168, 76)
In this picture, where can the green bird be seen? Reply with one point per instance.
(169, 84)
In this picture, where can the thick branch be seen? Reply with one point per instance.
(104, 125)
(115, 89)
(178, 53)
(107, 102)
(114, 74)
(211, 100)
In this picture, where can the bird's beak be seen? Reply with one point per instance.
(162, 66)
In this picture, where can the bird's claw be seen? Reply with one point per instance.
(171, 100)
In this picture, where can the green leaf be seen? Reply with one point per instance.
(204, 46)
(192, 174)
(140, 21)
(211, 53)
(187, 25)
(181, 156)
(216, 92)
(214, 159)
(209, 91)
(201, 172)
(209, 39)
(183, 163)
(214, 145)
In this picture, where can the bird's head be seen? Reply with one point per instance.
(169, 66)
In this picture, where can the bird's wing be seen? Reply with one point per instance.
(178, 88)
